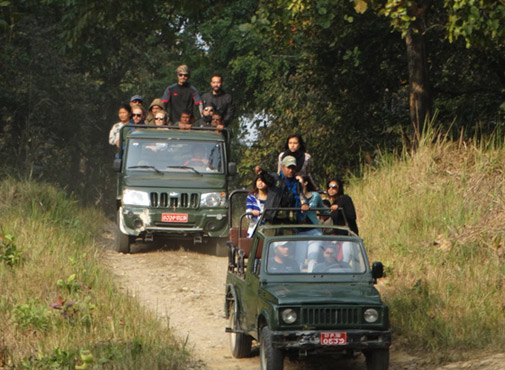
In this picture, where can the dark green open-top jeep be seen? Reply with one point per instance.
(172, 183)
(302, 295)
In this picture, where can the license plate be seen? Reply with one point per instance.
(174, 217)
(333, 338)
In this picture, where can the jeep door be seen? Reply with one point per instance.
(251, 299)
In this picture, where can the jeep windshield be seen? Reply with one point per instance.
(200, 157)
(315, 256)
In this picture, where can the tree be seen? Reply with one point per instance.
(479, 22)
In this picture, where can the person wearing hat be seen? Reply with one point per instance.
(221, 100)
(281, 262)
(135, 100)
(181, 96)
(206, 118)
(156, 107)
(287, 190)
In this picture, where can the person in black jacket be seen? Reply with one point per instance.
(221, 100)
(285, 192)
(340, 201)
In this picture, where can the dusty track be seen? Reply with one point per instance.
(187, 289)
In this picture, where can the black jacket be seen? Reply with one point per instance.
(345, 203)
(223, 104)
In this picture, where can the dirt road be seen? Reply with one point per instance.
(187, 288)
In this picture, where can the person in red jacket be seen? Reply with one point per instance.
(181, 96)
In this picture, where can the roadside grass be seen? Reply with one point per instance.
(435, 217)
(58, 307)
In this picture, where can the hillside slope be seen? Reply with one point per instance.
(435, 217)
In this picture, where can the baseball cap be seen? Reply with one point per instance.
(136, 97)
(289, 161)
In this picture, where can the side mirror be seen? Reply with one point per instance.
(377, 270)
(232, 168)
(116, 165)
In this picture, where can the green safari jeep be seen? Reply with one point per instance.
(300, 294)
(172, 183)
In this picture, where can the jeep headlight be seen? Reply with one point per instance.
(371, 315)
(289, 315)
(212, 200)
(135, 198)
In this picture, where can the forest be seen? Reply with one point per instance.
(354, 77)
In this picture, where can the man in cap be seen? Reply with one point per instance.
(221, 100)
(181, 96)
(288, 190)
(135, 100)
(281, 262)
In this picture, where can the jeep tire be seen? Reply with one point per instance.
(377, 359)
(271, 358)
(123, 242)
(240, 343)
(219, 247)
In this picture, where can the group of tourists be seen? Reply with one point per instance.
(175, 107)
(293, 186)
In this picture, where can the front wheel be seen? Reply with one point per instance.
(240, 343)
(271, 358)
(123, 241)
(218, 247)
(377, 359)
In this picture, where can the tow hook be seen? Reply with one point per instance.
(148, 237)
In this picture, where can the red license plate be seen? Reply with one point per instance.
(333, 338)
(174, 217)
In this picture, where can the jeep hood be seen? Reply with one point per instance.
(189, 180)
(319, 293)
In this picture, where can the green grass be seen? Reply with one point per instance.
(58, 307)
(435, 217)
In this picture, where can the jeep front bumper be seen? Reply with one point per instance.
(204, 222)
(309, 340)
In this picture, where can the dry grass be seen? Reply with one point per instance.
(58, 307)
(436, 218)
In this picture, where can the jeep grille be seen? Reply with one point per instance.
(174, 200)
(330, 316)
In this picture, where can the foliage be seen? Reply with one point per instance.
(31, 314)
(10, 254)
(330, 69)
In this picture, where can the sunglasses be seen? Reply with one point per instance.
(332, 186)
(137, 101)
(208, 109)
(183, 74)
(137, 114)
(159, 118)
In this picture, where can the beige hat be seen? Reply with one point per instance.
(183, 68)
(289, 161)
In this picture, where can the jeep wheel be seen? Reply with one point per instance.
(377, 359)
(240, 343)
(123, 242)
(271, 358)
(219, 247)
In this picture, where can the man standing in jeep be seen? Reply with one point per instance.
(221, 100)
(181, 96)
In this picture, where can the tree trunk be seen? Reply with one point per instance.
(420, 98)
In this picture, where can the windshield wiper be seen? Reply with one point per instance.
(151, 167)
(186, 167)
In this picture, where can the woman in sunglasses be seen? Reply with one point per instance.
(341, 202)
